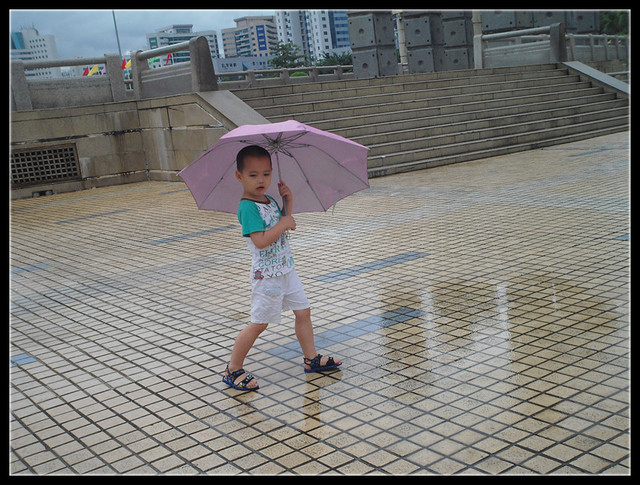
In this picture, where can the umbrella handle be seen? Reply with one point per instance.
(284, 203)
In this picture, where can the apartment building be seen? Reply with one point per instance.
(28, 44)
(315, 32)
(252, 36)
(174, 34)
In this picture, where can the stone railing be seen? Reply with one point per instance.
(27, 94)
(539, 45)
(278, 77)
(543, 45)
(182, 77)
(197, 75)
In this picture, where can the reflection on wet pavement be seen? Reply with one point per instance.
(481, 310)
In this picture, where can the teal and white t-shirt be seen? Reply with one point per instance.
(274, 260)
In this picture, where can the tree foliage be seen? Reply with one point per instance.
(614, 22)
(334, 59)
(287, 56)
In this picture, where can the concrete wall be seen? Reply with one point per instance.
(130, 141)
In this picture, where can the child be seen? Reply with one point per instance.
(275, 284)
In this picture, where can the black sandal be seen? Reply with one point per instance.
(230, 377)
(314, 364)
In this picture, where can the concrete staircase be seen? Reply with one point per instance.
(418, 121)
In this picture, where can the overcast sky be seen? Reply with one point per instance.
(91, 33)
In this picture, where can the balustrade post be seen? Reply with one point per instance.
(478, 61)
(116, 78)
(203, 76)
(138, 66)
(19, 87)
(558, 43)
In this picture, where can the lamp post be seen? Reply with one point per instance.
(113, 12)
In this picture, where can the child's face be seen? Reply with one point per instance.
(255, 177)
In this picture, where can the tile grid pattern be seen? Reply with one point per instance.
(481, 309)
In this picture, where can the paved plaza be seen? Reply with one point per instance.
(481, 311)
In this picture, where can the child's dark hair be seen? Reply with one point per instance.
(250, 151)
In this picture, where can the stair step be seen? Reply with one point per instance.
(436, 161)
(494, 89)
(249, 93)
(467, 83)
(461, 147)
(418, 121)
(431, 128)
(312, 110)
(424, 119)
(404, 110)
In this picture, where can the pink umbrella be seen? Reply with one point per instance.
(319, 167)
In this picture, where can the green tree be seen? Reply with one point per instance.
(614, 22)
(287, 56)
(335, 59)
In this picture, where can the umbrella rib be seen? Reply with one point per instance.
(278, 143)
(308, 183)
(285, 144)
(223, 173)
(307, 145)
(216, 184)
(330, 157)
(338, 163)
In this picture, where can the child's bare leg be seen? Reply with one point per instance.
(244, 342)
(304, 332)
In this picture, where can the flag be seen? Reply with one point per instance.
(168, 59)
(86, 71)
(93, 70)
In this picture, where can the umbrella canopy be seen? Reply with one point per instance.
(319, 167)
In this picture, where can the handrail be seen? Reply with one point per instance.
(83, 61)
(282, 76)
(159, 51)
(516, 33)
(309, 69)
(558, 42)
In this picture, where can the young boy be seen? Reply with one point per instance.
(275, 284)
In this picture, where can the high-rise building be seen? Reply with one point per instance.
(28, 44)
(174, 34)
(315, 32)
(252, 36)
(292, 29)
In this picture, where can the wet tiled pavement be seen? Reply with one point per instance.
(481, 309)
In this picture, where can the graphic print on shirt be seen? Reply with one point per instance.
(276, 259)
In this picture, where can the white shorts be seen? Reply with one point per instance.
(271, 296)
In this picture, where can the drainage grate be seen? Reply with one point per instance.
(51, 164)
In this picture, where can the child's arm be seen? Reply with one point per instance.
(262, 239)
